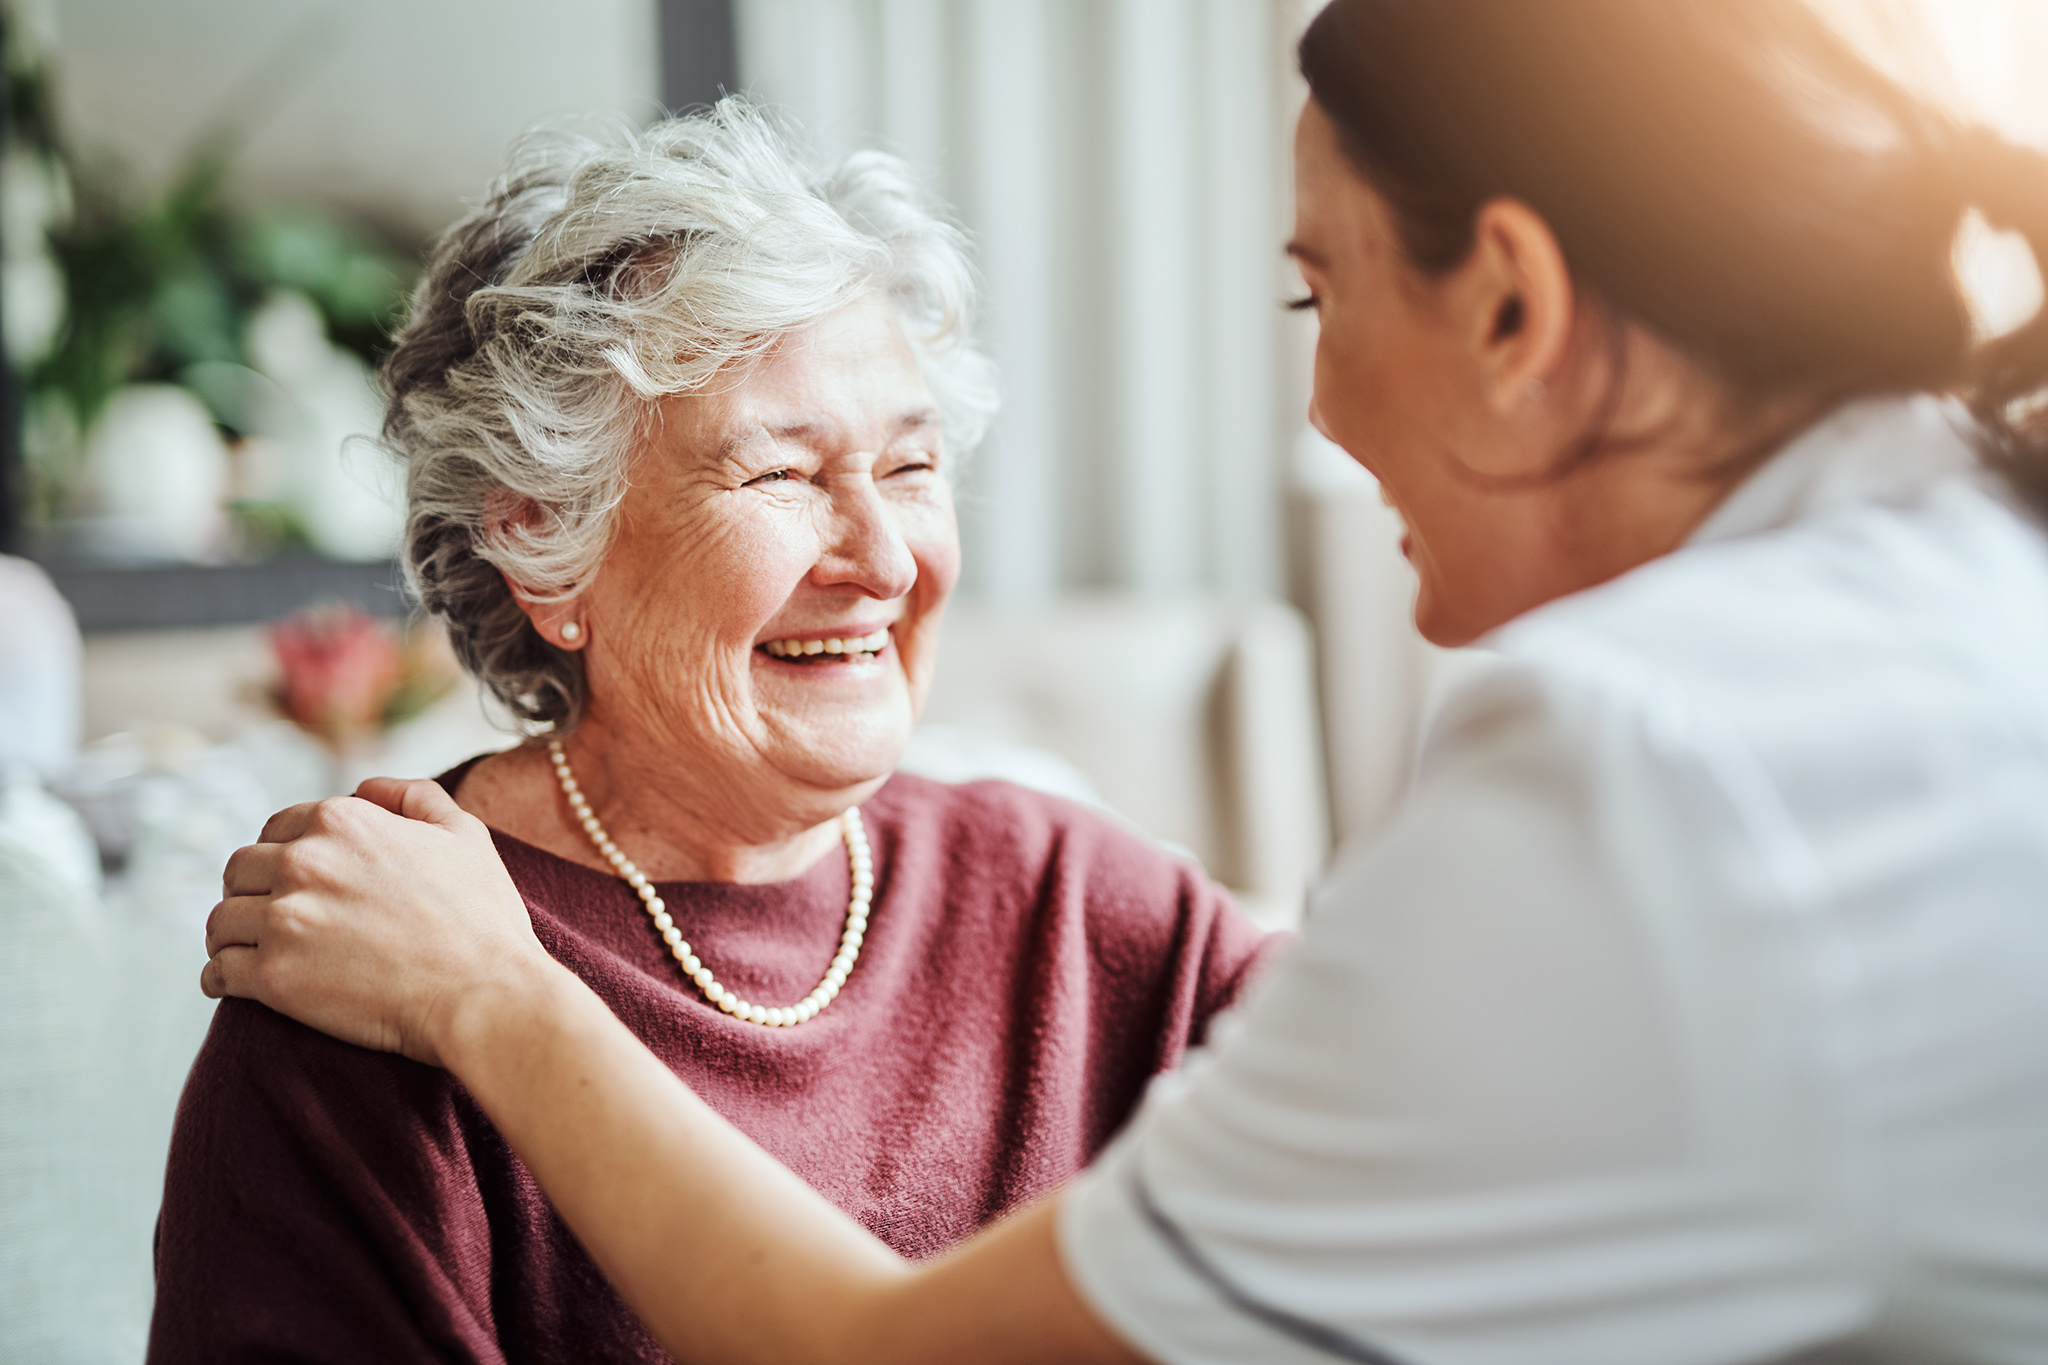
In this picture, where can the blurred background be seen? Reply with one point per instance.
(1179, 603)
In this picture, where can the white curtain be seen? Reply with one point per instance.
(1121, 164)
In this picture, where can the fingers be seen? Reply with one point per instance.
(235, 971)
(387, 792)
(251, 871)
(415, 799)
(231, 971)
(237, 922)
(268, 867)
(289, 823)
(418, 799)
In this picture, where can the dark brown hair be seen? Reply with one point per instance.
(1728, 173)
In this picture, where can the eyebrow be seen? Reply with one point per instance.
(915, 419)
(1299, 252)
(731, 446)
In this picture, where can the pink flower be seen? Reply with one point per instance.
(342, 669)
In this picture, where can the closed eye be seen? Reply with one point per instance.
(1302, 304)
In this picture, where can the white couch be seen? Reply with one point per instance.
(1193, 718)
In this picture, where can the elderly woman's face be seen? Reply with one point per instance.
(769, 610)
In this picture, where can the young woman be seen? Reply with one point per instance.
(1697, 1008)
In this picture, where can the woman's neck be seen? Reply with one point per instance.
(1672, 457)
(665, 826)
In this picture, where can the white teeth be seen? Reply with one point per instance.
(860, 644)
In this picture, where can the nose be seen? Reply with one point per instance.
(864, 545)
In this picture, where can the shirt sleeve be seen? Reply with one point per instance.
(319, 1206)
(1494, 1106)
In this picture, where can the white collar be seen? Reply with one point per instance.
(1885, 450)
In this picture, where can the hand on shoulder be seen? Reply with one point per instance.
(382, 918)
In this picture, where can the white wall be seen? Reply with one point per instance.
(403, 107)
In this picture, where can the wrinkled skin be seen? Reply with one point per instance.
(805, 500)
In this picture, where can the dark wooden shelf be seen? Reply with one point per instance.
(158, 597)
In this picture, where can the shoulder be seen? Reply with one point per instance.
(1010, 843)
(1021, 827)
(285, 1136)
(321, 1201)
(1769, 702)
(1824, 599)
(1872, 626)
(1006, 853)
(263, 1079)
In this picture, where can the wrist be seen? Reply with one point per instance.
(492, 1014)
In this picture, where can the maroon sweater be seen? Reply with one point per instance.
(1027, 967)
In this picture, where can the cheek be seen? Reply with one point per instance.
(933, 538)
(1385, 393)
(1350, 385)
(924, 520)
(710, 579)
(759, 567)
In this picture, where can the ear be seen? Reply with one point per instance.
(559, 619)
(1520, 306)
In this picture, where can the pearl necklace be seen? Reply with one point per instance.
(804, 1010)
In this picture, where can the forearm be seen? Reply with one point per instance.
(723, 1253)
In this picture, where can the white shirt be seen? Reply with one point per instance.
(1696, 1010)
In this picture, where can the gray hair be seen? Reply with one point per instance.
(599, 275)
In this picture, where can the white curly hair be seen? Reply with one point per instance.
(599, 275)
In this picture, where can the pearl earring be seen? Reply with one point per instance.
(571, 632)
(1534, 389)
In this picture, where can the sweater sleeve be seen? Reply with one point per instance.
(1221, 953)
(1235, 954)
(320, 1204)
(1170, 949)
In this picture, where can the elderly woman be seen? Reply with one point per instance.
(679, 419)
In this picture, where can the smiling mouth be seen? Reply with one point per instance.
(829, 649)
